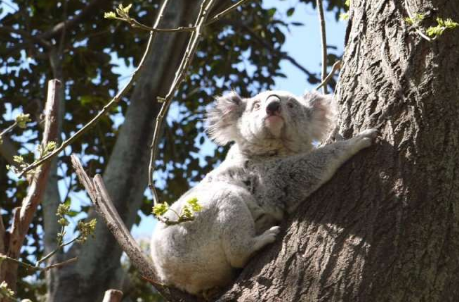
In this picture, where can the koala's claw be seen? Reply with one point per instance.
(270, 235)
(369, 133)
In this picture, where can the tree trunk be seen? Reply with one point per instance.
(385, 228)
(98, 265)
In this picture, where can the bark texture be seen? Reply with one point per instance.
(98, 266)
(386, 227)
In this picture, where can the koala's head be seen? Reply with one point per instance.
(273, 122)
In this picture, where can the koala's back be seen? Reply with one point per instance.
(191, 255)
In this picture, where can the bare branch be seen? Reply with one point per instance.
(113, 295)
(206, 5)
(226, 11)
(323, 35)
(105, 208)
(23, 216)
(38, 183)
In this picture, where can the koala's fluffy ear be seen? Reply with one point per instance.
(222, 118)
(323, 112)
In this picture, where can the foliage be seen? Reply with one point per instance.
(5, 292)
(442, 25)
(415, 20)
(228, 58)
(186, 213)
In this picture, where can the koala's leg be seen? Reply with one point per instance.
(301, 175)
(239, 239)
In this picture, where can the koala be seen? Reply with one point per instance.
(269, 170)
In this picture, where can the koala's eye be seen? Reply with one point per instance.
(256, 106)
(290, 105)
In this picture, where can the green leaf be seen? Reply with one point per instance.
(109, 15)
(195, 206)
(160, 209)
(22, 120)
(290, 11)
(344, 16)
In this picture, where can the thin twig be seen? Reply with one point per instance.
(106, 108)
(320, 9)
(335, 67)
(136, 24)
(225, 12)
(8, 129)
(37, 268)
(60, 264)
(179, 77)
(61, 246)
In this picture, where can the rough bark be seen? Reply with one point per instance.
(385, 228)
(98, 266)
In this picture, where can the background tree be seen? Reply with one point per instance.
(78, 50)
(385, 228)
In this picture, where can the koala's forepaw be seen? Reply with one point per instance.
(366, 138)
(269, 236)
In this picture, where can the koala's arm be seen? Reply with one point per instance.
(299, 176)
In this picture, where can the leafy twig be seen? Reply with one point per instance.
(122, 14)
(415, 24)
(20, 121)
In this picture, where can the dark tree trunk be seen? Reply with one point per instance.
(386, 227)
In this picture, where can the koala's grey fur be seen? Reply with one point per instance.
(270, 169)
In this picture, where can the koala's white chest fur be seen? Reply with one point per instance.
(269, 171)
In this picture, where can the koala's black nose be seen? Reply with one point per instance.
(273, 105)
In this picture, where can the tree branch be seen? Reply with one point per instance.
(104, 207)
(37, 187)
(335, 67)
(23, 216)
(323, 35)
